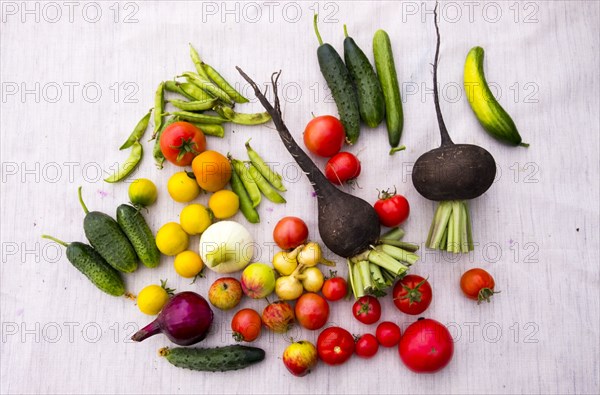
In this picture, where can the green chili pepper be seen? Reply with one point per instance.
(223, 84)
(159, 107)
(159, 158)
(197, 105)
(138, 131)
(125, 168)
(210, 130)
(241, 118)
(194, 91)
(245, 203)
(249, 184)
(206, 85)
(264, 169)
(264, 186)
(174, 86)
(197, 62)
(200, 118)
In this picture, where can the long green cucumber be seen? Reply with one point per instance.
(85, 259)
(106, 236)
(219, 359)
(342, 89)
(371, 103)
(138, 232)
(386, 71)
(490, 114)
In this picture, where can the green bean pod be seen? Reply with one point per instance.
(159, 107)
(206, 85)
(210, 130)
(125, 168)
(200, 118)
(245, 203)
(197, 62)
(194, 91)
(253, 191)
(196, 105)
(223, 84)
(159, 158)
(138, 131)
(174, 86)
(241, 118)
(264, 186)
(274, 178)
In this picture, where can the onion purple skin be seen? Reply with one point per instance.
(185, 320)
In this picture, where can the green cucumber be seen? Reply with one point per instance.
(386, 71)
(371, 103)
(93, 266)
(138, 232)
(217, 359)
(106, 236)
(340, 82)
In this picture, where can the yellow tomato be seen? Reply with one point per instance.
(171, 239)
(224, 204)
(194, 219)
(182, 187)
(188, 264)
(151, 299)
(212, 170)
(142, 192)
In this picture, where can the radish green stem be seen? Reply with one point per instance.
(359, 290)
(365, 275)
(387, 262)
(451, 228)
(402, 244)
(399, 254)
(376, 274)
(54, 239)
(317, 29)
(85, 209)
(392, 234)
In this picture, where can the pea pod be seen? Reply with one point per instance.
(125, 168)
(175, 87)
(245, 203)
(87, 260)
(159, 158)
(159, 107)
(200, 118)
(196, 105)
(194, 91)
(490, 114)
(253, 191)
(210, 130)
(138, 131)
(264, 169)
(241, 118)
(223, 84)
(264, 186)
(197, 62)
(206, 85)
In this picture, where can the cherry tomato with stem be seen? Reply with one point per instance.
(366, 346)
(290, 232)
(367, 310)
(342, 167)
(412, 295)
(246, 325)
(392, 209)
(181, 142)
(324, 135)
(477, 284)
(388, 334)
(335, 345)
(334, 288)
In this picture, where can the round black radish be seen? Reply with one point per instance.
(347, 224)
(452, 171)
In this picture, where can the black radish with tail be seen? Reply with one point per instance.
(450, 174)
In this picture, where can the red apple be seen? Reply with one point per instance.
(300, 357)
(225, 293)
(278, 316)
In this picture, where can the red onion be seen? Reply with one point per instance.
(185, 320)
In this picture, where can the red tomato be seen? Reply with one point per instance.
(392, 209)
(312, 311)
(324, 136)
(477, 284)
(246, 325)
(366, 346)
(412, 294)
(335, 345)
(426, 346)
(388, 334)
(334, 288)
(180, 142)
(367, 310)
(290, 232)
(342, 167)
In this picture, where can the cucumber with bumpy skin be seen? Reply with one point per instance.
(490, 114)
(139, 234)
(219, 359)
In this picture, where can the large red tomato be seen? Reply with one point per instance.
(312, 311)
(290, 232)
(412, 294)
(426, 346)
(324, 135)
(180, 142)
(335, 345)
